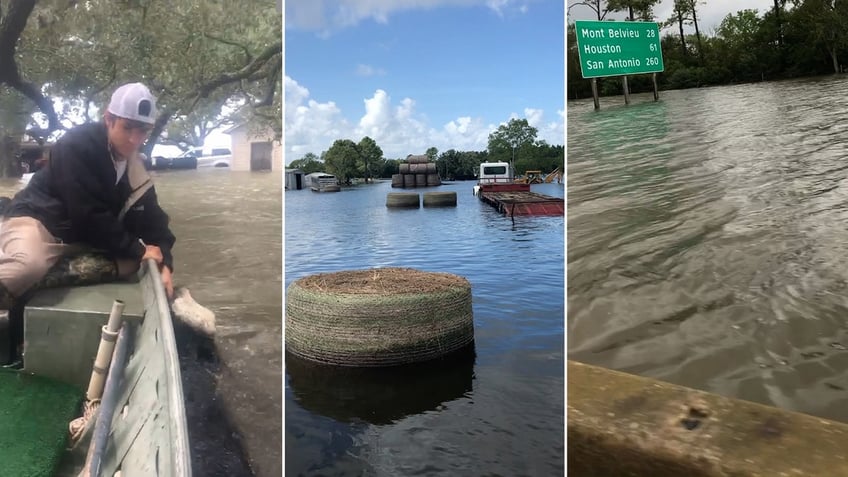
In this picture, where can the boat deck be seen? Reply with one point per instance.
(523, 202)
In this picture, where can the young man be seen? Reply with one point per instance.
(94, 192)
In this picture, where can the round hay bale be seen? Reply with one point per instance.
(429, 168)
(403, 199)
(409, 180)
(434, 180)
(440, 199)
(420, 180)
(417, 159)
(378, 317)
(397, 180)
(417, 168)
(403, 168)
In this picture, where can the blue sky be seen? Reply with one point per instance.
(418, 73)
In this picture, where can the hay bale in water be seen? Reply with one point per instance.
(403, 199)
(378, 317)
(420, 180)
(417, 159)
(434, 180)
(397, 180)
(422, 168)
(409, 180)
(440, 199)
(403, 168)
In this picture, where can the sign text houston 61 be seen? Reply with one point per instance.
(618, 48)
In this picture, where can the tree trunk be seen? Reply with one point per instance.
(682, 36)
(9, 164)
(697, 32)
(781, 51)
(832, 51)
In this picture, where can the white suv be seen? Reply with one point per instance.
(211, 157)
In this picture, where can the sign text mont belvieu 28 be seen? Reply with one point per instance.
(618, 48)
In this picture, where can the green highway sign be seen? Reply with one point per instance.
(618, 48)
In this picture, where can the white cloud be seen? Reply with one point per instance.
(367, 70)
(326, 16)
(398, 128)
(308, 122)
(553, 132)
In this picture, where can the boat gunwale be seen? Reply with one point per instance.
(176, 402)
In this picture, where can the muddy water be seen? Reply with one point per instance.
(708, 240)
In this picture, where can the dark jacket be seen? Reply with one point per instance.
(77, 200)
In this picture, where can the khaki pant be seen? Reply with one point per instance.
(28, 251)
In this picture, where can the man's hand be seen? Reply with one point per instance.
(168, 281)
(152, 251)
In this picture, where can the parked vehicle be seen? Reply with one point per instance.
(166, 157)
(497, 186)
(210, 157)
(322, 182)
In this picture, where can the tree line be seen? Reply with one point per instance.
(515, 142)
(794, 38)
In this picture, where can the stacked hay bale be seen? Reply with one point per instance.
(417, 171)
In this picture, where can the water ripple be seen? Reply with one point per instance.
(706, 240)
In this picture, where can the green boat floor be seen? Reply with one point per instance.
(34, 417)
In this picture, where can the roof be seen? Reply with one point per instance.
(232, 128)
(238, 126)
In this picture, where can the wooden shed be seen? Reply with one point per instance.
(294, 179)
(254, 151)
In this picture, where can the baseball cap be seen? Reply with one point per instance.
(134, 101)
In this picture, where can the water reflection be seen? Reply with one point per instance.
(380, 395)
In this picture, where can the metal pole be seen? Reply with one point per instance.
(595, 93)
(626, 90)
(656, 90)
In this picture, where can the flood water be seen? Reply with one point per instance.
(497, 412)
(708, 240)
(229, 255)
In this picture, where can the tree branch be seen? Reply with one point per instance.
(252, 67)
(247, 56)
(11, 28)
(270, 88)
(88, 98)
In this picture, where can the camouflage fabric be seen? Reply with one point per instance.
(84, 268)
(88, 268)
